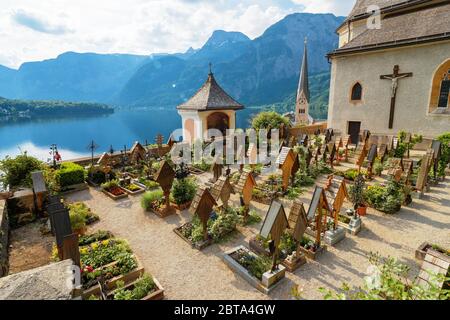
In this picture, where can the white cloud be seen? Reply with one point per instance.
(37, 30)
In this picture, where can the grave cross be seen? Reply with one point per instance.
(92, 147)
(394, 77)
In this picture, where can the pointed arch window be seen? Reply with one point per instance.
(440, 89)
(444, 94)
(357, 92)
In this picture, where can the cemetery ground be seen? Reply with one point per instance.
(187, 273)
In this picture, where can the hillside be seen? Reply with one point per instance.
(261, 71)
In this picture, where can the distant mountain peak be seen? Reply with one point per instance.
(220, 38)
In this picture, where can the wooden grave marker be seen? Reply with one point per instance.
(137, 153)
(165, 176)
(336, 193)
(62, 228)
(70, 249)
(216, 170)
(202, 206)
(436, 145)
(252, 155)
(286, 161)
(274, 225)
(422, 177)
(371, 157)
(346, 142)
(436, 264)
(317, 219)
(245, 187)
(297, 222)
(332, 152)
(222, 190)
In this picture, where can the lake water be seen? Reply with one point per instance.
(73, 135)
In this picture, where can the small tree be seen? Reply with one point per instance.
(269, 120)
(17, 171)
(356, 192)
(445, 156)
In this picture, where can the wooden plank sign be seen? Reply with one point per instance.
(422, 177)
(274, 225)
(436, 265)
(71, 249)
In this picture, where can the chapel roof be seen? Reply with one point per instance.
(423, 25)
(210, 97)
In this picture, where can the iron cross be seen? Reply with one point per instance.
(394, 77)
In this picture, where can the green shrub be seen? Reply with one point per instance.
(378, 168)
(143, 286)
(17, 171)
(77, 220)
(183, 191)
(110, 184)
(445, 156)
(81, 209)
(387, 199)
(69, 174)
(224, 224)
(269, 119)
(152, 199)
(256, 265)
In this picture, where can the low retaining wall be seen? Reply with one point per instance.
(4, 237)
(117, 156)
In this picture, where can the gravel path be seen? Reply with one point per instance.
(186, 273)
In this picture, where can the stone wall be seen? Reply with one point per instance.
(412, 110)
(4, 236)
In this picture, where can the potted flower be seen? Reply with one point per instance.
(356, 193)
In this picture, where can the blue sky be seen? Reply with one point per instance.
(37, 30)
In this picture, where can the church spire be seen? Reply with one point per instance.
(303, 85)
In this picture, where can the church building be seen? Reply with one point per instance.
(302, 116)
(391, 71)
(210, 108)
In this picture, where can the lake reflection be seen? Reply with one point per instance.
(73, 135)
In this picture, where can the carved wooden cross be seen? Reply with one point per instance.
(394, 77)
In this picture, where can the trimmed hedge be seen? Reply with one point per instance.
(69, 174)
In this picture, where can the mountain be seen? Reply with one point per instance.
(72, 77)
(261, 71)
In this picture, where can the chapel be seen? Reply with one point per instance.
(210, 108)
(391, 71)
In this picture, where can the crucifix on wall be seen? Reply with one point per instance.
(394, 77)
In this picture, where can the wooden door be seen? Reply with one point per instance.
(353, 130)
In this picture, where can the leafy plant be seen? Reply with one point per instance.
(269, 120)
(256, 265)
(110, 184)
(152, 199)
(378, 168)
(143, 286)
(183, 191)
(81, 215)
(356, 192)
(95, 237)
(225, 223)
(17, 171)
(387, 199)
(445, 155)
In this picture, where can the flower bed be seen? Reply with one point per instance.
(144, 288)
(387, 199)
(132, 189)
(113, 190)
(219, 227)
(254, 269)
(288, 247)
(80, 216)
(112, 259)
(146, 183)
(426, 247)
(310, 249)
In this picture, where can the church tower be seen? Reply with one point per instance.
(302, 101)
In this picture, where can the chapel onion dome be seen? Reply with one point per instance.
(211, 97)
